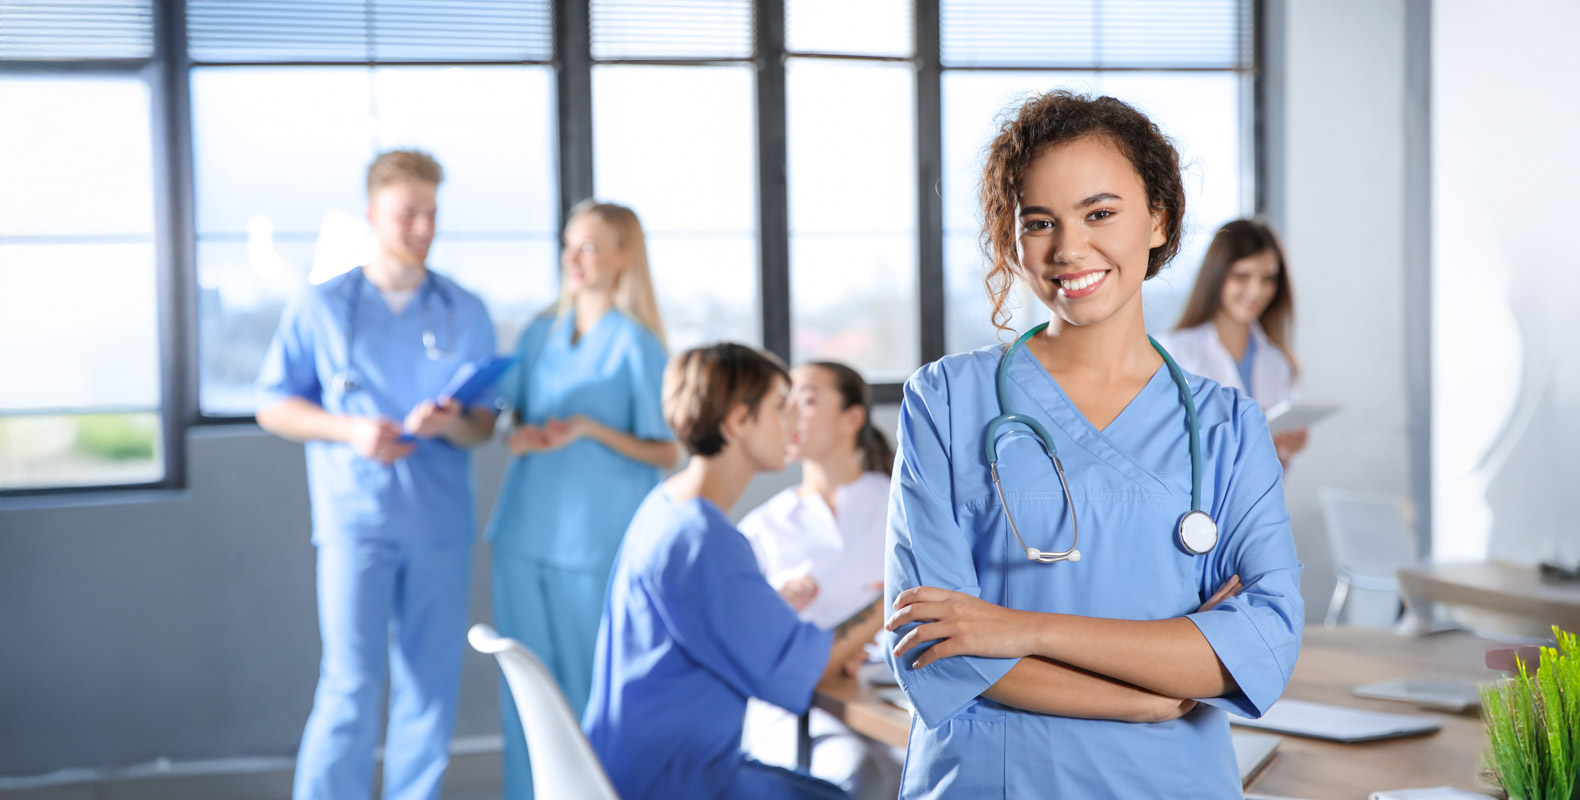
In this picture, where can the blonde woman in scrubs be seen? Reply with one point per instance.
(589, 443)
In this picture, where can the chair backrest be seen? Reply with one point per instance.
(1371, 535)
(563, 763)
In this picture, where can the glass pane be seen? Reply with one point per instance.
(870, 27)
(284, 143)
(1200, 111)
(80, 320)
(281, 160)
(516, 278)
(852, 184)
(80, 450)
(693, 181)
(493, 129)
(82, 162)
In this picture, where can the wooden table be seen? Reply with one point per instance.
(1496, 594)
(1332, 662)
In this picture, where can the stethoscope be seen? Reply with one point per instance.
(1197, 531)
(345, 380)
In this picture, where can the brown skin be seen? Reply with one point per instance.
(1083, 212)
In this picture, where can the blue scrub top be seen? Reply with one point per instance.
(690, 631)
(1131, 483)
(569, 507)
(425, 498)
(1245, 362)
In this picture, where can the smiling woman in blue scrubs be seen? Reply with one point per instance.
(589, 443)
(1106, 676)
(692, 629)
(392, 519)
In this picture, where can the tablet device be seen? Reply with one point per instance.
(1441, 695)
(1288, 416)
(1252, 751)
(1336, 723)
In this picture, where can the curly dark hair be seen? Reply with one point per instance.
(1055, 118)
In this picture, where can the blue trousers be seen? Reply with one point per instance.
(554, 611)
(761, 781)
(395, 608)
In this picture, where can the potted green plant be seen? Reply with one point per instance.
(1533, 726)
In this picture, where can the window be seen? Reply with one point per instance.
(79, 302)
(1192, 80)
(675, 138)
(280, 153)
(676, 145)
(806, 171)
(851, 135)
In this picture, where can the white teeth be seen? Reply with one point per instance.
(1077, 284)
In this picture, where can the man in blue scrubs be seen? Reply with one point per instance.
(354, 371)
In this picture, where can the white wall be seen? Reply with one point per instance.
(1343, 201)
(1506, 278)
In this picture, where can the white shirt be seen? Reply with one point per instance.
(1199, 350)
(794, 535)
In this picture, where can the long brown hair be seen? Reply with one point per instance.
(877, 455)
(1239, 239)
(1051, 119)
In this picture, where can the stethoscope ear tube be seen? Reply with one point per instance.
(1197, 531)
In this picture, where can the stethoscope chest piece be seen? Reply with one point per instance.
(1198, 533)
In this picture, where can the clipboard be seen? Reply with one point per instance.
(470, 382)
(474, 378)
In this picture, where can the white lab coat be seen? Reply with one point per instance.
(1199, 350)
(793, 535)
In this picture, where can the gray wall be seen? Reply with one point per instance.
(1344, 207)
(180, 625)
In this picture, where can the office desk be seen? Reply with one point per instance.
(1498, 594)
(1332, 662)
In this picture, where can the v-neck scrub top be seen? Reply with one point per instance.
(569, 507)
(1131, 483)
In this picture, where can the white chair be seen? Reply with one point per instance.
(563, 763)
(1371, 536)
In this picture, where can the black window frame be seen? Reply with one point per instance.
(168, 73)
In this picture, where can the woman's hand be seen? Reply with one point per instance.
(1229, 589)
(799, 591)
(560, 432)
(963, 626)
(1288, 443)
(526, 439)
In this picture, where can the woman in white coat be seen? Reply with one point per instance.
(820, 544)
(1236, 326)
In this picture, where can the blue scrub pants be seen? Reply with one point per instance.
(761, 781)
(554, 611)
(385, 605)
